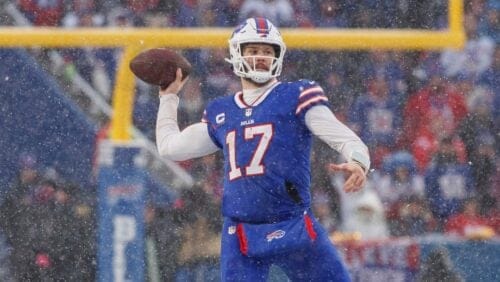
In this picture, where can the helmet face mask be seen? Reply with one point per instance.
(257, 31)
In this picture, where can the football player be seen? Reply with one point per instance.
(265, 131)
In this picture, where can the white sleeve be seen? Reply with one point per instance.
(322, 122)
(177, 145)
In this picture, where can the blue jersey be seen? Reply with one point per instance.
(266, 150)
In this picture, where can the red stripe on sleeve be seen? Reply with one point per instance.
(310, 101)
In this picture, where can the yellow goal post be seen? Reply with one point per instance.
(133, 40)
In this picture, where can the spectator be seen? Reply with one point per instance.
(489, 22)
(163, 242)
(188, 14)
(472, 60)
(194, 13)
(325, 199)
(16, 197)
(39, 219)
(426, 14)
(321, 205)
(119, 16)
(279, 12)
(192, 104)
(75, 212)
(150, 252)
(384, 14)
(475, 7)
(303, 13)
(200, 247)
(463, 85)
(5, 265)
(367, 218)
(231, 10)
(430, 114)
(408, 63)
(81, 11)
(399, 183)
(478, 130)
(447, 183)
(216, 76)
(381, 64)
(360, 15)
(329, 14)
(206, 172)
(400, 179)
(43, 13)
(362, 212)
(375, 117)
(339, 92)
(96, 65)
(494, 213)
(437, 267)
(28, 175)
(141, 8)
(159, 19)
(491, 79)
(31, 258)
(143, 116)
(218, 18)
(469, 223)
(414, 218)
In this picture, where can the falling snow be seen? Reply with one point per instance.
(72, 203)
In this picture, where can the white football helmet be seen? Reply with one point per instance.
(256, 30)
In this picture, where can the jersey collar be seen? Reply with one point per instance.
(238, 97)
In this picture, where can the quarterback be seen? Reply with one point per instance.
(265, 132)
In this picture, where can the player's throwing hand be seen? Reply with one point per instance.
(176, 85)
(355, 174)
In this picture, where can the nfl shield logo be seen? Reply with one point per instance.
(248, 112)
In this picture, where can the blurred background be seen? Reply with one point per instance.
(431, 119)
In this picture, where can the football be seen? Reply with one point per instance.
(158, 66)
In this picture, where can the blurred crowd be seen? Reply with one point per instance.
(229, 13)
(430, 118)
(48, 225)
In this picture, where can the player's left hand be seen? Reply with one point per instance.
(355, 175)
